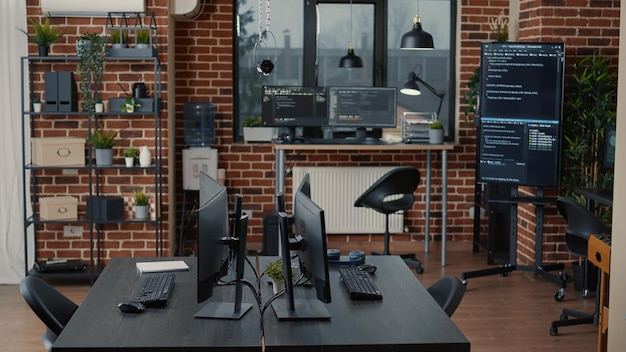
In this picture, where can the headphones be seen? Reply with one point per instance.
(355, 258)
(265, 66)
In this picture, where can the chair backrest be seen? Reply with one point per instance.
(581, 221)
(52, 307)
(399, 181)
(448, 292)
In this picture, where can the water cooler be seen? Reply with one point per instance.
(199, 133)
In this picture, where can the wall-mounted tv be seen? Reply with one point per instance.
(521, 113)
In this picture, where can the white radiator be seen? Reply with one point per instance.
(335, 189)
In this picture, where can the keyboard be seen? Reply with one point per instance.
(156, 290)
(359, 284)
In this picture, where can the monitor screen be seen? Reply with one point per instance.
(362, 107)
(520, 111)
(293, 106)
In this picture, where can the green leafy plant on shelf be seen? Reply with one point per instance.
(274, 270)
(45, 33)
(143, 36)
(104, 139)
(129, 105)
(141, 198)
(436, 125)
(252, 121)
(91, 52)
(131, 152)
(119, 36)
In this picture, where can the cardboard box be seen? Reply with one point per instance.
(58, 151)
(58, 208)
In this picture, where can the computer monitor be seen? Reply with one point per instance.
(214, 243)
(362, 108)
(294, 106)
(308, 241)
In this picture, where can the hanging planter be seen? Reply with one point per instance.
(140, 29)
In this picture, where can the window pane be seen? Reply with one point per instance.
(333, 38)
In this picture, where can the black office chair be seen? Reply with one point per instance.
(581, 223)
(448, 292)
(52, 307)
(389, 194)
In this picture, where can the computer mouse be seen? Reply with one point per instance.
(368, 267)
(131, 307)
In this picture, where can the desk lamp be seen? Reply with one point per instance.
(412, 88)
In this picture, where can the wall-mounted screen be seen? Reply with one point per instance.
(521, 113)
(293, 106)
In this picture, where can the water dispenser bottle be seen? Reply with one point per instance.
(199, 124)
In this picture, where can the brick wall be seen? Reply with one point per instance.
(203, 72)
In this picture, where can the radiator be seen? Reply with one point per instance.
(335, 189)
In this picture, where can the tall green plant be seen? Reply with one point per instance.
(590, 105)
(91, 54)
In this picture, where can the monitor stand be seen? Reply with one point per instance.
(304, 309)
(223, 310)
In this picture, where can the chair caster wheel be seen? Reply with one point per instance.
(419, 270)
(464, 282)
(554, 331)
(559, 295)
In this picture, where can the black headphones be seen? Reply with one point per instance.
(265, 66)
(355, 258)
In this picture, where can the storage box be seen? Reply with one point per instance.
(415, 126)
(105, 208)
(58, 151)
(58, 208)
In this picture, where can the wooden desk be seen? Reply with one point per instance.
(429, 148)
(98, 325)
(407, 318)
(599, 253)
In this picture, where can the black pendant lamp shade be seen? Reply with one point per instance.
(417, 38)
(350, 60)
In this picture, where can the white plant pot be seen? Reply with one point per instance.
(130, 161)
(99, 107)
(130, 107)
(435, 136)
(141, 212)
(142, 46)
(37, 107)
(259, 134)
(277, 286)
(104, 157)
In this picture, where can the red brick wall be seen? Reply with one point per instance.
(203, 72)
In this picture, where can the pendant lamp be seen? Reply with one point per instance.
(417, 38)
(350, 60)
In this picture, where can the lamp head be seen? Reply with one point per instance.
(411, 87)
(417, 38)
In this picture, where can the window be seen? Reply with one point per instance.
(306, 40)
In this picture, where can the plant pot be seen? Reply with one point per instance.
(130, 161)
(142, 46)
(120, 45)
(104, 157)
(277, 286)
(141, 212)
(36, 107)
(99, 107)
(259, 134)
(435, 136)
(42, 50)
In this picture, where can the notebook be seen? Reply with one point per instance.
(161, 266)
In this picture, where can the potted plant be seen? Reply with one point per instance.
(142, 203)
(91, 53)
(143, 39)
(253, 130)
(435, 132)
(103, 142)
(99, 105)
(119, 38)
(36, 104)
(130, 154)
(129, 105)
(45, 34)
(274, 270)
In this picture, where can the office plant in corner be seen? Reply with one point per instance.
(45, 35)
(103, 142)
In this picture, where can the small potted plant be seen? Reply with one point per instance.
(119, 39)
(253, 130)
(103, 142)
(130, 154)
(36, 104)
(435, 132)
(274, 270)
(143, 39)
(142, 203)
(99, 105)
(45, 34)
(129, 105)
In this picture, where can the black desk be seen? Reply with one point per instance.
(407, 318)
(98, 325)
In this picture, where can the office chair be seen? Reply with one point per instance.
(448, 292)
(52, 307)
(389, 194)
(581, 223)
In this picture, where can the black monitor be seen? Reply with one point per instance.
(304, 233)
(362, 108)
(214, 242)
(293, 106)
